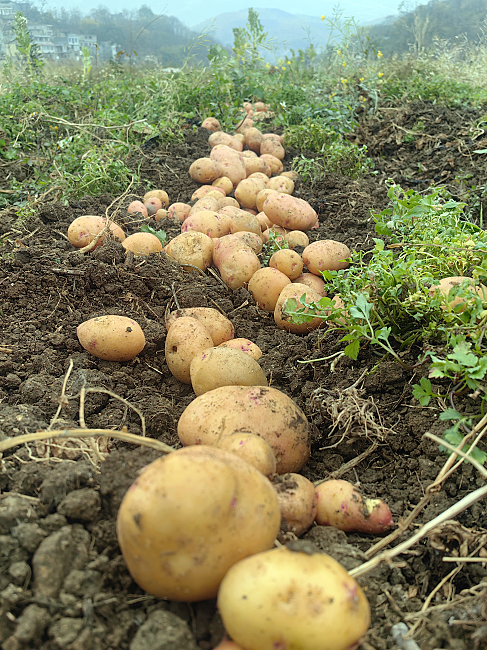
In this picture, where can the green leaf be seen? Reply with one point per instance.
(352, 349)
(450, 414)
(160, 234)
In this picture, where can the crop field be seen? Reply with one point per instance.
(385, 366)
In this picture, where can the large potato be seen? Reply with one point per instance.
(238, 266)
(205, 170)
(113, 338)
(208, 222)
(142, 243)
(219, 326)
(326, 255)
(194, 248)
(286, 599)
(267, 412)
(83, 230)
(296, 291)
(247, 190)
(289, 212)
(189, 517)
(218, 366)
(253, 139)
(185, 339)
(274, 163)
(273, 147)
(266, 285)
(231, 163)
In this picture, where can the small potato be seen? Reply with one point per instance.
(326, 255)
(297, 238)
(296, 291)
(178, 211)
(137, 207)
(312, 281)
(341, 504)
(219, 326)
(186, 338)
(193, 248)
(250, 239)
(224, 183)
(253, 449)
(83, 230)
(228, 201)
(288, 599)
(160, 215)
(273, 147)
(266, 285)
(152, 205)
(260, 107)
(245, 346)
(211, 123)
(218, 367)
(247, 190)
(208, 222)
(288, 262)
(272, 135)
(253, 139)
(294, 176)
(240, 138)
(281, 184)
(221, 137)
(205, 170)
(297, 501)
(206, 203)
(274, 163)
(158, 194)
(113, 338)
(445, 285)
(245, 222)
(260, 199)
(267, 412)
(289, 212)
(256, 166)
(142, 243)
(204, 190)
(280, 234)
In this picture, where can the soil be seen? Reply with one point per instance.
(63, 581)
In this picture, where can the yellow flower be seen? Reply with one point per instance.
(344, 64)
(55, 128)
(379, 55)
(266, 65)
(322, 18)
(344, 81)
(338, 52)
(289, 62)
(283, 67)
(381, 74)
(361, 79)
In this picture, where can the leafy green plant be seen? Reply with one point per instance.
(160, 234)
(275, 243)
(26, 46)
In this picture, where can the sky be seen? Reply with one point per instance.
(193, 12)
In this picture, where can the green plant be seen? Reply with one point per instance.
(275, 243)
(26, 46)
(160, 234)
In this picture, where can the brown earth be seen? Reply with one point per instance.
(63, 582)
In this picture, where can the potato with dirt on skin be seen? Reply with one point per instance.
(281, 184)
(237, 267)
(250, 239)
(247, 190)
(266, 285)
(251, 448)
(267, 412)
(194, 503)
(294, 176)
(256, 166)
(313, 281)
(152, 205)
(288, 262)
(178, 211)
(274, 163)
(445, 285)
(265, 222)
(228, 201)
(211, 123)
(204, 190)
(289, 212)
(158, 194)
(224, 183)
(244, 345)
(341, 505)
(286, 598)
(186, 338)
(83, 230)
(297, 238)
(191, 248)
(247, 123)
(206, 203)
(208, 222)
(111, 337)
(216, 367)
(218, 326)
(273, 147)
(245, 223)
(326, 255)
(253, 139)
(205, 170)
(276, 136)
(279, 234)
(295, 291)
(137, 207)
(260, 199)
(160, 215)
(297, 501)
(142, 243)
(231, 163)
(221, 137)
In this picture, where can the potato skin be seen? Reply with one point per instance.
(265, 411)
(289, 212)
(113, 338)
(244, 345)
(179, 211)
(288, 262)
(297, 500)
(219, 326)
(313, 281)
(296, 290)
(83, 230)
(189, 517)
(231, 163)
(205, 170)
(159, 194)
(288, 599)
(211, 123)
(217, 366)
(193, 248)
(251, 448)
(266, 285)
(142, 243)
(326, 255)
(186, 338)
(446, 284)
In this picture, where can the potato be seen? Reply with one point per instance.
(249, 154)
(193, 248)
(204, 190)
(245, 222)
(297, 238)
(178, 211)
(294, 176)
(224, 183)
(220, 137)
(261, 107)
(273, 147)
(227, 245)
(83, 230)
(312, 281)
(253, 449)
(247, 190)
(263, 176)
(445, 285)
(219, 327)
(238, 266)
(280, 234)
(250, 239)
(296, 291)
(142, 243)
(273, 135)
(274, 163)
(286, 599)
(228, 201)
(216, 367)
(113, 338)
(247, 123)
(205, 170)
(208, 222)
(326, 255)
(189, 517)
(206, 203)
(160, 215)
(281, 184)
(231, 163)
(159, 194)
(253, 139)
(137, 207)
(211, 123)
(289, 212)
(260, 199)
(244, 345)
(266, 285)
(297, 501)
(265, 222)
(288, 262)
(256, 166)
(240, 138)
(186, 338)
(340, 504)
(267, 412)
(152, 205)
(226, 644)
